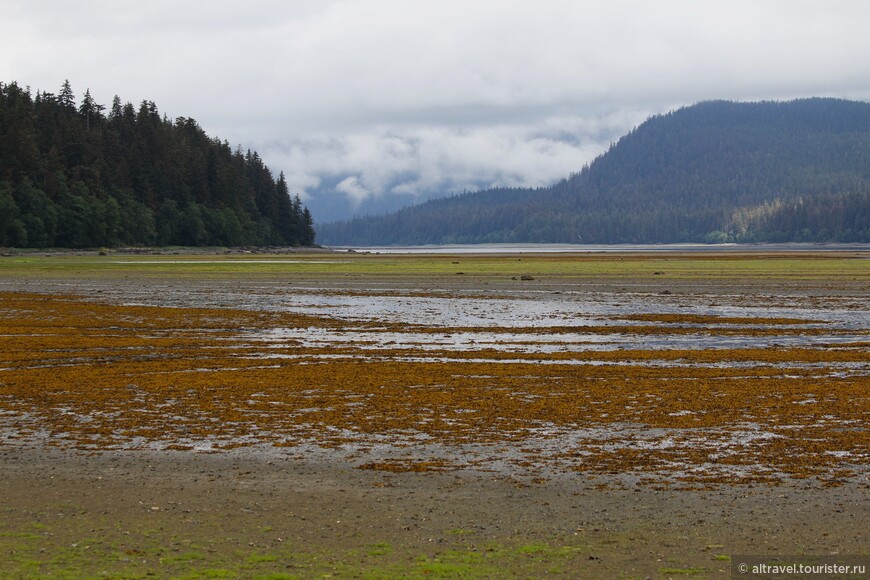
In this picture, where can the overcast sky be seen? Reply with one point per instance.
(361, 102)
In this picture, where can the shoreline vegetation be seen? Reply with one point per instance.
(382, 415)
(72, 176)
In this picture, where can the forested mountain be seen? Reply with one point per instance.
(77, 175)
(713, 172)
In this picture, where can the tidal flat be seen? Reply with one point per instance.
(304, 414)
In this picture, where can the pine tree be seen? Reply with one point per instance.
(69, 176)
(66, 98)
(115, 112)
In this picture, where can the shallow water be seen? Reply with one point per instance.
(597, 248)
(533, 343)
(544, 309)
(540, 310)
(830, 320)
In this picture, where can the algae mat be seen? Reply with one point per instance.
(100, 376)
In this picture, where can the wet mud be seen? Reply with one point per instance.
(695, 403)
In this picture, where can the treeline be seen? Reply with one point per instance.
(84, 175)
(713, 172)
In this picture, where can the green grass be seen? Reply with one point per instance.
(808, 265)
(533, 549)
(460, 564)
(20, 535)
(26, 558)
(260, 558)
(379, 549)
(546, 552)
(185, 557)
(217, 573)
(682, 571)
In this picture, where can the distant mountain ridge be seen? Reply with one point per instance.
(716, 171)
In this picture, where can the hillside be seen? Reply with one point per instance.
(713, 172)
(72, 176)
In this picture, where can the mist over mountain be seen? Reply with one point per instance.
(716, 171)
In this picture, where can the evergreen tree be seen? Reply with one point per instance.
(90, 110)
(70, 176)
(66, 98)
(716, 171)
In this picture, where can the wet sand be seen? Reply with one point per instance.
(325, 517)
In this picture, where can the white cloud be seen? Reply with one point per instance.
(354, 190)
(417, 162)
(417, 98)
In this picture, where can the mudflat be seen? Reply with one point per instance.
(301, 415)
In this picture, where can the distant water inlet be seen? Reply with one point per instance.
(599, 248)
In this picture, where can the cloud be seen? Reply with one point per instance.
(414, 162)
(414, 99)
(356, 192)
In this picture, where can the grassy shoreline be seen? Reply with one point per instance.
(671, 265)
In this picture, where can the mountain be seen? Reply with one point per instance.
(72, 176)
(713, 172)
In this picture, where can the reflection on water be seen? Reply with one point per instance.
(543, 309)
(537, 343)
(464, 319)
(435, 328)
